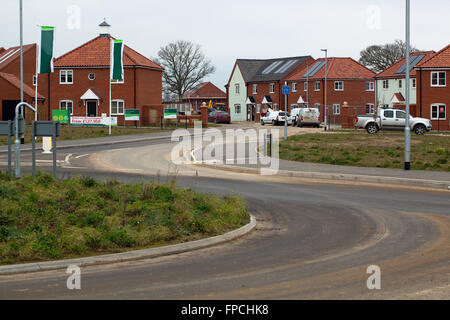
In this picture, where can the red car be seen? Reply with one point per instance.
(218, 116)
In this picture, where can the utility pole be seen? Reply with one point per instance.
(325, 97)
(17, 139)
(407, 129)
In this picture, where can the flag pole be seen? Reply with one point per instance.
(37, 82)
(110, 76)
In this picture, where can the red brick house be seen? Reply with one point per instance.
(433, 89)
(10, 82)
(347, 81)
(205, 92)
(80, 82)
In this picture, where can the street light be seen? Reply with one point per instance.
(407, 129)
(325, 88)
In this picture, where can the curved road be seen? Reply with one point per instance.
(313, 240)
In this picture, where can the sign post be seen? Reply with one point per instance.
(286, 90)
(45, 129)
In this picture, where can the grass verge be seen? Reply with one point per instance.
(45, 219)
(384, 150)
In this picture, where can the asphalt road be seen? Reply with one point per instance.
(313, 240)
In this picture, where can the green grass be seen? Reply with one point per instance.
(384, 150)
(45, 219)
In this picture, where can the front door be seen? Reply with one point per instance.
(9, 109)
(91, 108)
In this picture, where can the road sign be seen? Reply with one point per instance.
(286, 90)
(132, 114)
(63, 116)
(170, 113)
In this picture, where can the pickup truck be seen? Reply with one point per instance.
(392, 119)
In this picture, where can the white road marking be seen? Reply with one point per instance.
(81, 156)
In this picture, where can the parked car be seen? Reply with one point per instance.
(305, 117)
(218, 116)
(392, 119)
(276, 117)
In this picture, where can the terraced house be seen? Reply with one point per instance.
(391, 83)
(433, 89)
(255, 85)
(347, 81)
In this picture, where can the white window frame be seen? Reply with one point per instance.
(336, 83)
(370, 86)
(66, 101)
(272, 88)
(255, 89)
(338, 106)
(66, 73)
(294, 87)
(414, 83)
(371, 106)
(237, 88)
(236, 110)
(305, 86)
(34, 81)
(400, 83)
(385, 84)
(438, 105)
(438, 78)
(118, 113)
(317, 86)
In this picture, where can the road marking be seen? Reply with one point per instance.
(81, 156)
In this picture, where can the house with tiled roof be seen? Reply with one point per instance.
(391, 83)
(205, 92)
(433, 89)
(255, 85)
(347, 81)
(10, 82)
(80, 82)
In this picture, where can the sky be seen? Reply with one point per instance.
(228, 30)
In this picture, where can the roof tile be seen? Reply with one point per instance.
(12, 79)
(440, 59)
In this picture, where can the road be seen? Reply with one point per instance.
(313, 240)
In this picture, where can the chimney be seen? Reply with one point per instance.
(104, 29)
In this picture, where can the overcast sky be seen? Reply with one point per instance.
(233, 29)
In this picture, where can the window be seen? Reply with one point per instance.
(66, 76)
(275, 107)
(66, 105)
(336, 109)
(237, 108)
(272, 88)
(400, 114)
(438, 112)
(414, 83)
(438, 79)
(294, 106)
(34, 81)
(317, 106)
(385, 106)
(255, 89)
(305, 86)
(117, 107)
(385, 84)
(294, 87)
(400, 84)
(91, 76)
(389, 114)
(339, 86)
(370, 108)
(370, 86)
(317, 86)
(237, 88)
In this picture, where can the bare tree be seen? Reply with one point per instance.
(185, 66)
(380, 57)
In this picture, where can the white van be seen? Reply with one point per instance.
(305, 117)
(276, 117)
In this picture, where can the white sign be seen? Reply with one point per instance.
(93, 121)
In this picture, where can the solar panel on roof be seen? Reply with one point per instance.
(314, 69)
(286, 66)
(413, 62)
(270, 68)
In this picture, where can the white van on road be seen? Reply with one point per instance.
(305, 117)
(276, 117)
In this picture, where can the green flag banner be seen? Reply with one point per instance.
(116, 60)
(46, 56)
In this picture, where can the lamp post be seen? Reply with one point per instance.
(407, 129)
(325, 88)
